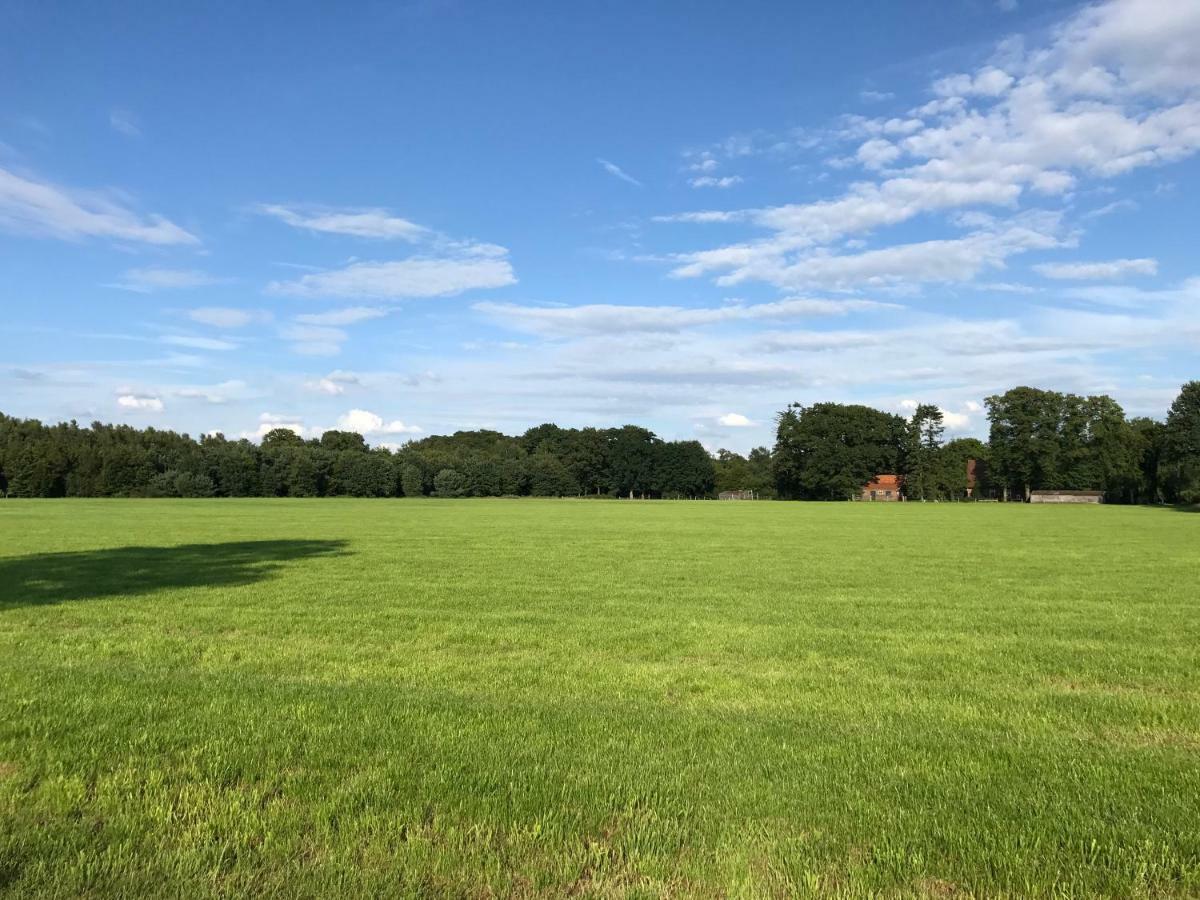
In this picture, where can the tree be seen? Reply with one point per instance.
(412, 482)
(548, 476)
(684, 469)
(338, 441)
(922, 463)
(356, 473)
(952, 468)
(1047, 440)
(1025, 440)
(828, 451)
(449, 483)
(1149, 438)
(631, 458)
(482, 477)
(1181, 450)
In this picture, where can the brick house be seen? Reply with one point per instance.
(882, 487)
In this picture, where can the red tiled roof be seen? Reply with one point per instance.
(883, 482)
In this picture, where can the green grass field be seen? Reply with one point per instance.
(547, 698)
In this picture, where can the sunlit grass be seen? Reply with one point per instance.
(325, 698)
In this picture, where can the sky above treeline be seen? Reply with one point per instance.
(413, 218)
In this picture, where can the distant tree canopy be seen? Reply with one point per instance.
(828, 451)
(1038, 440)
(1047, 440)
(1180, 446)
(64, 460)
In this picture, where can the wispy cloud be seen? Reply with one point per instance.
(1114, 89)
(33, 208)
(146, 281)
(217, 394)
(369, 222)
(711, 181)
(226, 317)
(1098, 271)
(614, 319)
(125, 122)
(335, 383)
(194, 342)
(346, 316)
(314, 340)
(419, 276)
(617, 172)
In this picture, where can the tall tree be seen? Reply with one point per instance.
(1025, 439)
(1181, 450)
(828, 451)
(922, 461)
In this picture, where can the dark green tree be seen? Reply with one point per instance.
(828, 451)
(412, 482)
(1181, 449)
(449, 483)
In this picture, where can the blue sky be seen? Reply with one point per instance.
(407, 219)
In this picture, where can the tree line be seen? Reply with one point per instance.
(67, 460)
(1038, 440)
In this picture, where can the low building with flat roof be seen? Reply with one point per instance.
(1066, 496)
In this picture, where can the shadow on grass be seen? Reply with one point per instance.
(56, 577)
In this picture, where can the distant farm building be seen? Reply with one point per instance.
(882, 487)
(1066, 496)
(736, 495)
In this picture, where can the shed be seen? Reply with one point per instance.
(1066, 496)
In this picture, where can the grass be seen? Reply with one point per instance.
(547, 698)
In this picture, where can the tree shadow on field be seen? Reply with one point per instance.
(46, 578)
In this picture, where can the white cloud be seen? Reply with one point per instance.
(346, 316)
(714, 182)
(617, 172)
(225, 317)
(198, 343)
(368, 423)
(603, 318)
(148, 280)
(125, 122)
(38, 208)
(334, 384)
(987, 82)
(877, 153)
(480, 267)
(867, 96)
(948, 260)
(371, 222)
(314, 340)
(224, 392)
(268, 422)
(1095, 271)
(955, 421)
(140, 402)
(734, 420)
(1115, 88)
